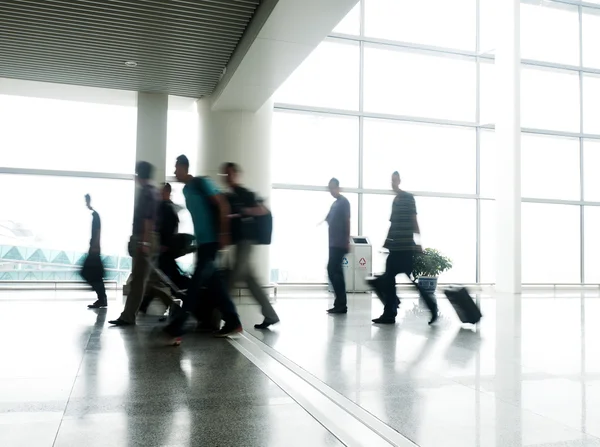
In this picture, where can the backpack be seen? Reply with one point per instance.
(264, 228)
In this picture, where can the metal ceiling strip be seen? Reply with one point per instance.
(89, 59)
(79, 28)
(74, 68)
(120, 21)
(250, 3)
(164, 9)
(204, 50)
(116, 55)
(203, 5)
(128, 46)
(95, 10)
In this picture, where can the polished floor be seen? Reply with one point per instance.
(529, 375)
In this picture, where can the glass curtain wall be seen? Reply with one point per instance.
(53, 152)
(410, 86)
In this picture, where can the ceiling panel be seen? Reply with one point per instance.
(180, 46)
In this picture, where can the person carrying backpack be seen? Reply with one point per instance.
(209, 210)
(246, 210)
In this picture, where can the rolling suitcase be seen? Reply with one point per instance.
(463, 304)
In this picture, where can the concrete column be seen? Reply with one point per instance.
(508, 137)
(151, 145)
(244, 138)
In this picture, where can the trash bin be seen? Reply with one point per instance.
(361, 248)
(357, 265)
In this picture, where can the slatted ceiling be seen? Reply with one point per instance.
(181, 46)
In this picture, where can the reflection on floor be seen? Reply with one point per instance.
(526, 377)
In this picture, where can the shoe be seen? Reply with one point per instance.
(266, 323)
(434, 317)
(333, 310)
(119, 322)
(384, 320)
(229, 330)
(98, 305)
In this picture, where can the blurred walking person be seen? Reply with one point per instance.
(93, 269)
(143, 242)
(338, 220)
(401, 244)
(210, 214)
(244, 209)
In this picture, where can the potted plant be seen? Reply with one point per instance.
(427, 267)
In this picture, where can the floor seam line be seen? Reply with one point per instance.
(387, 437)
(247, 354)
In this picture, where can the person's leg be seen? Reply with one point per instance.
(203, 276)
(100, 289)
(139, 276)
(336, 276)
(387, 289)
(235, 267)
(244, 267)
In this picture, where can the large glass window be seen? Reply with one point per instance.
(591, 179)
(49, 212)
(550, 99)
(488, 92)
(300, 248)
(310, 149)
(488, 179)
(591, 104)
(403, 82)
(488, 23)
(550, 167)
(428, 157)
(591, 37)
(550, 32)
(418, 114)
(41, 133)
(351, 23)
(592, 242)
(550, 243)
(487, 242)
(430, 22)
(327, 78)
(182, 132)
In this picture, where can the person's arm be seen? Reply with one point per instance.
(224, 212)
(416, 228)
(150, 209)
(147, 234)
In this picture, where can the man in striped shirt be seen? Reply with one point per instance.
(401, 244)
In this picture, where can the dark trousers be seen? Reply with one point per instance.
(206, 289)
(98, 287)
(336, 276)
(93, 273)
(399, 262)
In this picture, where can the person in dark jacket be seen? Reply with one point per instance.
(244, 207)
(93, 269)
